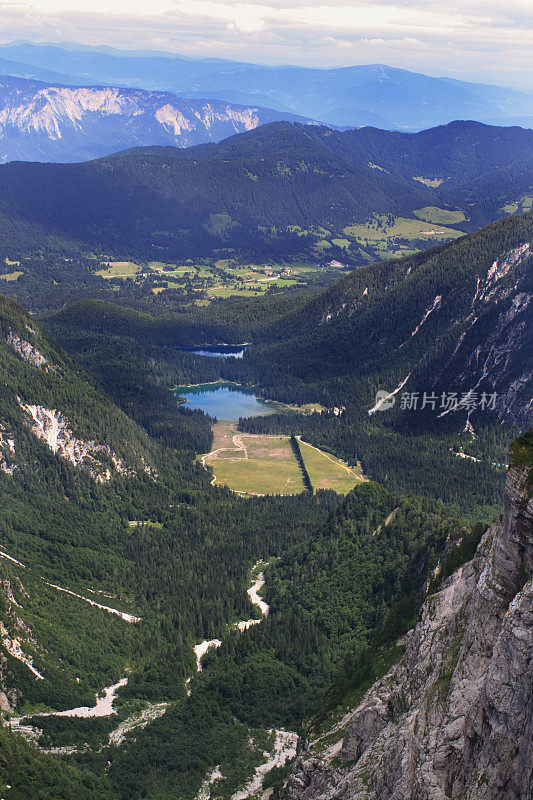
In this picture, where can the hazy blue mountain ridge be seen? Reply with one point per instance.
(370, 94)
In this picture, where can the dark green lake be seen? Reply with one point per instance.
(224, 401)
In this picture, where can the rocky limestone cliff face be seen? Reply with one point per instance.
(454, 718)
(28, 352)
(53, 428)
(497, 348)
(40, 121)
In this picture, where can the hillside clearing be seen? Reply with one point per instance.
(11, 276)
(442, 216)
(258, 464)
(382, 227)
(119, 269)
(328, 472)
(253, 464)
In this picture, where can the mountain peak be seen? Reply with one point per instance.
(65, 123)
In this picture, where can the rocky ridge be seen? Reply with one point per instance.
(52, 122)
(37, 387)
(454, 717)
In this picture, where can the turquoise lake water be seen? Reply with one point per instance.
(226, 401)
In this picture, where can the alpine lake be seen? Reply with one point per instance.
(223, 400)
(227, 401)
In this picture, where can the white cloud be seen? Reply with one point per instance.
(406, 41)
(338, 42)
(245, 17)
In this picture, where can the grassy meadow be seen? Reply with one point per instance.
(258, 464)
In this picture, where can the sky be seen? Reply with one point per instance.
(487, 41)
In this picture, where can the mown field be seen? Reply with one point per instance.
(252, 464)
(119, 269)
(11, 276)
(328, 472)
(221, 279)
(257, 464)
(383, 227)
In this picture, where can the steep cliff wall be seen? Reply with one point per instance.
(48, 122)
(454, 718)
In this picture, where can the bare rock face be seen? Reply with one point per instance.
(51, 122)
(28, 352)
(4, 702)
(454, 718)
(7, 451)
(53, 428)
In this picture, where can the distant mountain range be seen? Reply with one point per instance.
(54, 122)
(373, 94)
(282, 188)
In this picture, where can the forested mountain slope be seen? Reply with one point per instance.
(53, 122)
(424, 363)
(44, 396)
(456, 152)
(176, 203)
(468, 164)
(281, 189)
(455, 319)
(453, 717)
(103, 536)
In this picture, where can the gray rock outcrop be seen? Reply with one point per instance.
(454, 717)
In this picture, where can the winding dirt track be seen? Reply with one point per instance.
(240, 447)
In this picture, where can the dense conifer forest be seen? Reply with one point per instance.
(178, 553)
